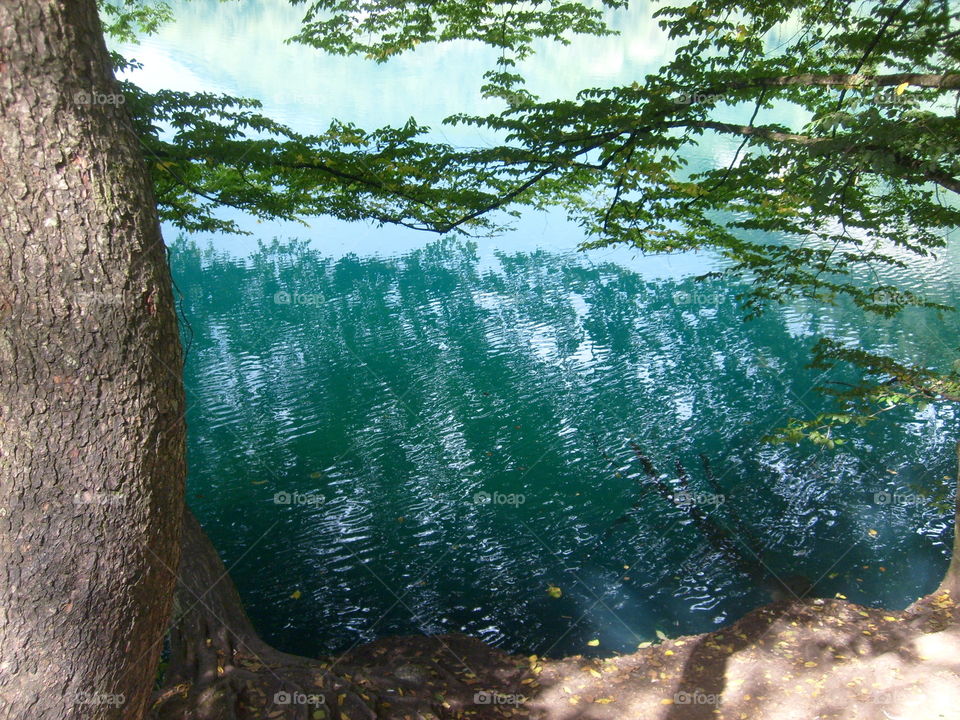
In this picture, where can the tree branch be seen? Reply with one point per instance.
(934, 174)
(945, 81)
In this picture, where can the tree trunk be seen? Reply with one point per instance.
(91, 398)
(951, 580)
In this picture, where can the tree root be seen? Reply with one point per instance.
(220, 669)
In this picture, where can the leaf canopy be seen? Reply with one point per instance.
(864, 178)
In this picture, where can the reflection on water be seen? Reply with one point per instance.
(427, 442)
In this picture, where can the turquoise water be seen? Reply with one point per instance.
(394, 433)
(382, 394)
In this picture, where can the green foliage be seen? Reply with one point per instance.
(207, 151)
(887, 384)
(125, 20)
(380, 30)
(829, 207)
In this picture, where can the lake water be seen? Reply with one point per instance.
(393, 433)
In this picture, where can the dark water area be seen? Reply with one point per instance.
(445, 439)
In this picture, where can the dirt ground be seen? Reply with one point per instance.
(805, 660)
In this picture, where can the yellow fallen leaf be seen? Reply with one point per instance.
(603, 701)
(871, 532)
(889, 618)
(901, 87)
(594, 672)
(296, 594)
(666, 701)
(809, 663)
(553, 591)
(593, 643)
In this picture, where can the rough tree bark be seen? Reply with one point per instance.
(91, 399)
(951, 580)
